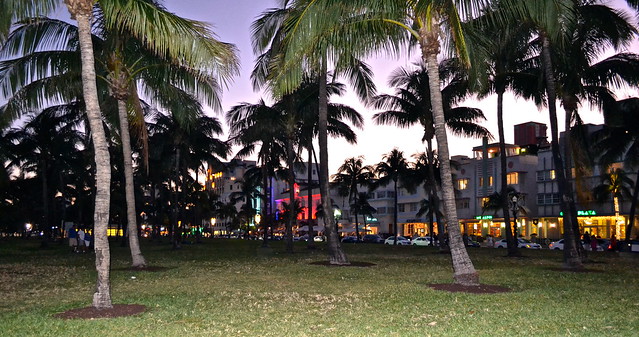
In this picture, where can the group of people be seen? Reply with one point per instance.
(80, 240)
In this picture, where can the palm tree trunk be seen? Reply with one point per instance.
(464, 271)
(395, 225)
(266, 217)
(176, 236)
(45, 205)
(356, 223)
(310, 244)
(571, 257)
(633, 207)
(137, 259)
(336, 254)
(510, 238)
(291, 193)
(81, 10)
(570, 109)
(431, 199)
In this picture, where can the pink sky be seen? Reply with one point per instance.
(231, 21)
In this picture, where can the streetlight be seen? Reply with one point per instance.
(515, 202)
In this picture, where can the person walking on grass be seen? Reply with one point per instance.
(81, 247)
(593, 243)
(73, 238)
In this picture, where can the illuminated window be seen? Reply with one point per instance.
(484, 200)
(512, 178)
(552, 174)
(490, 181)
(462, 184)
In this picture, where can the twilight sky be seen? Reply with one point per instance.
(231, 21)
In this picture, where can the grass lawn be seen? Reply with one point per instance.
(234, 288)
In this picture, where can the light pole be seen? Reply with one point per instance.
(515, 202)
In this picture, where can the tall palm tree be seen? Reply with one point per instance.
(619, 141)
(351, 175)
(139, 17)
(130, 69)
(554, 34)
(270, 33)
(412, 105)
(511, 67)
(256, 127)
(393, 168)
(387, 25)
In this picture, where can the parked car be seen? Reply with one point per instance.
(623, 246)
(372, 238)
(401, 241)
(350, 239)
(421, 241)
(559, 245)
(319, 238)
(472, 243)
(521, 243)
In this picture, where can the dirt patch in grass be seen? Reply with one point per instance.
(352, 264)
(480, 289)
(147, 268)
(576, 270)
(118, 310)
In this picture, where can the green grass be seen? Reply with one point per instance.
(234, 288)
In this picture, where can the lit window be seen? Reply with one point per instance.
(512, 178)
(552, 174)
(462, 184)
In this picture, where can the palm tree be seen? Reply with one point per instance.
(615, 185)
(619, 140)
(253, 125)
(184, 148)
(511, 67)
(270, 33)
(47, 145)
(555, 34)
(383, 25)
(424, 168)
(129, 66)
(412, 105)
(393, 168)
(363, 207)
(140, 18)
(351, 175)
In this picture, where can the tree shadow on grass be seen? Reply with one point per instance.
(118, 310)
(151, 269)
(480, 289)
(352, 264)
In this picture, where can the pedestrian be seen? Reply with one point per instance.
(73, 238)
(613, 243)
(593, 243)
(586, 237)
(81, 247)
(87, 240)
(489, 241)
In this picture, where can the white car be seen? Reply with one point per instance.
(421, 241)
(401, 241)
(521, 243)
(559, 245)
